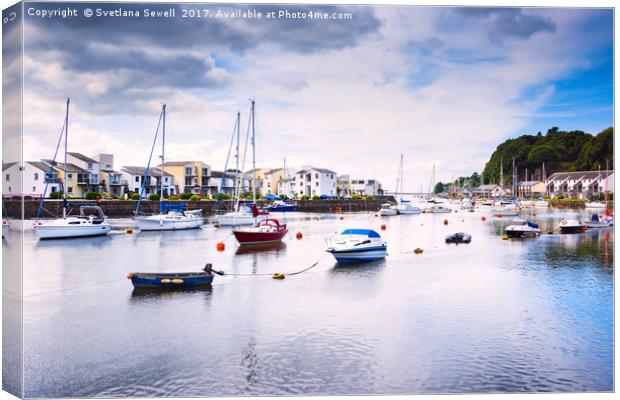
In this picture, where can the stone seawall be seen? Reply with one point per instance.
(126, 208)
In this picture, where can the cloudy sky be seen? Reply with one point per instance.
(442, 86)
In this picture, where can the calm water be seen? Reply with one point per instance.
(491, 316)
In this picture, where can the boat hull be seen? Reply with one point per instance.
(519, 234)
(167, 224)
(173, 281)
(66, 232)
(572, 229)
(247, 238)
(359, 255)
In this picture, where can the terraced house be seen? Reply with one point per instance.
(580, 184)
(189, 176)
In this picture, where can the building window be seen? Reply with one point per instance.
(8, 177)
(69, 176)
(137, 179)
(69, 190)
(36, 176)
(316, 176)
(188, 170)
(90, 165)
(34, 189)
(317, 184)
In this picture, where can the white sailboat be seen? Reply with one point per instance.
(171, 217)
(246, 215)
(404, 206)
(90, 222)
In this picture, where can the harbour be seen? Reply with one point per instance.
(514, 315)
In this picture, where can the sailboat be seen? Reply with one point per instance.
(171, 216)
(404, 206)
(249, 215)
(541, 202)
(90, 222)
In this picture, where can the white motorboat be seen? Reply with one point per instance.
(437, 210)
(354, 245)
(387, 210)
(522, 228)
(405, 208)
(5, 227)
(172, 218)
(597, 222)
(595, 204)
(90, 222)
(571, 226)
(506, 212)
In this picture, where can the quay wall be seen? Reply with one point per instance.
(126, 208)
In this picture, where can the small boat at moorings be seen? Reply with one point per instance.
(267, 231)
(281, 206)
(90, 222)
(354, 245)
(522, 228)
(597, 222)
(459, 237)
(571, 226)
(171, 217)
(506, 212)
(387, 210)
(406, 208)
(541, 203)
(437, 210)
(173, 280)
(5, 227)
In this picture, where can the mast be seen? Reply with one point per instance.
(606, 195)
(163, 163)
(544, 179)
(253, 154)
(238, 172)
(64, 167)
(501, 178)
(402, 187)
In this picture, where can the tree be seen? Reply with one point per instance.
(439, 188)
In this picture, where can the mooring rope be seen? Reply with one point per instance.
(274, 273)
(74, 288)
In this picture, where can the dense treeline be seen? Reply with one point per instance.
(559, 150)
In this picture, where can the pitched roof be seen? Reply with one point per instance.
(487, 187)
(141, 171)
(322, 170)
(40, 165)
(82, 157)
(58, 166)
(8, 165)
(580, 175)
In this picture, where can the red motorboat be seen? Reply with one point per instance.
(267, 231)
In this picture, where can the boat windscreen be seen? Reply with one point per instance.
(532, 225)
(366, 232)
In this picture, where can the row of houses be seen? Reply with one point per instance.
(98, 174)
(576, 185)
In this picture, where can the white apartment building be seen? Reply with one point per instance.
(580, 184)
(34, 175)
(133, 177)
(311, 181)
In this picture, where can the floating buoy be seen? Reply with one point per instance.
(418, 251)
(445, 222)
(383, 227)
(533, 214)
(165, 280)
(462, 220)
(129, 276)
(277, 276)
(177, 281)
(376, 215)
(299, 235)
(483, 218)
(504, 237)
(220, 246)
(341, 217)
(129, 231)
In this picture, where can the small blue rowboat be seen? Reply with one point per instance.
(172, 281)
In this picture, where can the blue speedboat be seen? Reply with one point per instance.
(280, 206)
(355, 245)
(172, 281)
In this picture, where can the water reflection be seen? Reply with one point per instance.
(274, 248)
(150, 294)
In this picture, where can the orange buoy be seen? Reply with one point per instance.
(278, 276)
(483, 218)
(299, 235)
(383, 227)
(129, 276)
(445, 222)
(129, 231)
(341, 217)
(418, 251)
(220, 246)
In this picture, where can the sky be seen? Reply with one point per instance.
(441, 85)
